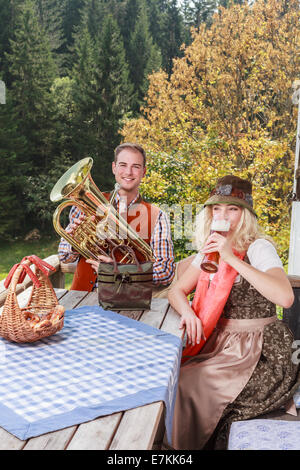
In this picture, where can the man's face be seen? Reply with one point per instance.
(129, 169)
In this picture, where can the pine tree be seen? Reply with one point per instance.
(32, 70)
(5, 34)
(71, 19)
(50, 16)
(172, 35)
(11, 146)
(102, 93)
(128, 23)
(228, 3)
(8, 9)
(116, 91)
(155, 21)
(93, 15)
(143, 56)
(81, 143)
(199, 11)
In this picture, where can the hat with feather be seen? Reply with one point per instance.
(232, 190)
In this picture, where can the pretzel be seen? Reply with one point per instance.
(42, 324)
(58, 313)
(32, 317)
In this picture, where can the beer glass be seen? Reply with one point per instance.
(210, 261)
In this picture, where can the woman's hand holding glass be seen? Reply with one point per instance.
(222, 245)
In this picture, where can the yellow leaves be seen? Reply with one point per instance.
(154, 185)
(227, 108)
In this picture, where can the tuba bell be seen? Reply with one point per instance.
(103, 228)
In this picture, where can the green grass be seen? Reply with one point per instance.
(12, 253)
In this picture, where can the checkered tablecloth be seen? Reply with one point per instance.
(99, 363)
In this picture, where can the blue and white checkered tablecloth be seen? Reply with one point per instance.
(99, 363)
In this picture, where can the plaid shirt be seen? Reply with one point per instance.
(161, 244)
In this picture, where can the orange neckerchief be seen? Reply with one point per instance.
(210, 299)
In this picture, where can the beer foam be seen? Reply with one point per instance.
(220, 225)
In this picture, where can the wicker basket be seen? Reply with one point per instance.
(42, 316)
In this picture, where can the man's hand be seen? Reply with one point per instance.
(95, 262)
(76, 222)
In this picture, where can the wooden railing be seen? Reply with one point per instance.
(57, 277)
(295, 281)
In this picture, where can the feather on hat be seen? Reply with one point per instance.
(232, 190)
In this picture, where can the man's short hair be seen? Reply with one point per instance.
(129, 145)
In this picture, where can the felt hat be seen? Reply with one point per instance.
(232, 190)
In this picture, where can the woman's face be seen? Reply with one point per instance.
(228, 212)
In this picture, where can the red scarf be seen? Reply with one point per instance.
(210, 299)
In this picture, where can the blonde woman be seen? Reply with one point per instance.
(244, 368)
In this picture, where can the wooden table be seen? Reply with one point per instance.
(136, 429)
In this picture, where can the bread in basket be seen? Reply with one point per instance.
(43, 316)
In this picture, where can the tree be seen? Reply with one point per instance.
(227, 108)
(81, 143)
(172, 35)
(8, 15)
(147, 60)
(155, 16)
(92, 16)
(62, 96)
(128, 22)
(116, 94)
(102, 94)
(228, 3)
(198, 11)
(32, 70)
(71, 18)
(11, 172)
(50, 17)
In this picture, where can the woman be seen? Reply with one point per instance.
(244, 368)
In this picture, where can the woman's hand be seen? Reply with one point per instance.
(95, 262)
(217, 242)
(193, 327)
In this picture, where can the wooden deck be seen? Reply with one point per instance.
(137, 429)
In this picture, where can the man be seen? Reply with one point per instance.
(129, 167)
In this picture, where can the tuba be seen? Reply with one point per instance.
(103, 228)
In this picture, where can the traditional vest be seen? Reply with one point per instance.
(141, 216)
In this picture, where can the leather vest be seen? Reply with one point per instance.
(141, 216)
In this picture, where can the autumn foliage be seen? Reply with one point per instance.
(227, 108)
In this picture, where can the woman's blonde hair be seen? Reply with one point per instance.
(246, 232)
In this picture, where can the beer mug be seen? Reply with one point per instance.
(210, 261)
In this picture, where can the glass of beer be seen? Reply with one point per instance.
(210, 261)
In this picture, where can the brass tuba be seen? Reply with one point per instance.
(103, 228)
